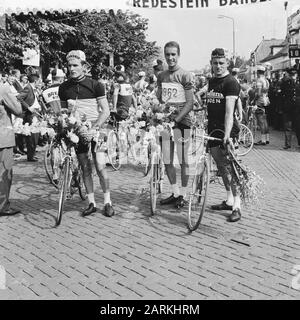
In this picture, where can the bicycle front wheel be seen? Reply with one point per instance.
(63, 189)
(49, 164)
(245, 140)
(80, 185)
(113, 150)
(198, 195)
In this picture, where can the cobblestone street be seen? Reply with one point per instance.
(137, 256)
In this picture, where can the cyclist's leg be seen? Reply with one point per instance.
(167, 148)
(218, 155)
(86, 167)
(181, 137)
(99, 158)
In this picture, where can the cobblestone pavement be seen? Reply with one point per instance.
(135, 256)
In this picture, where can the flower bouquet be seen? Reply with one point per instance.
(70, 129)
(251, 185)
(37, 126)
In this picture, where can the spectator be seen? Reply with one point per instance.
(30, 105)
(141, 84)
(288, 88)
(8, 105)
(157, 67)
(297, 67)
(23, 80)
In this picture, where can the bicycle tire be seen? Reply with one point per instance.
(48, 164)
(80, 185)
(63, 190)
(113, 150)
(245, 141)
(154, 183)
(147, 164)
(198, 195)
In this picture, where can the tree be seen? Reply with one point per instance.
(56, 33)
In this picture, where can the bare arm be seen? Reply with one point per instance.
(104, 114)
(189, 96)
(115, 98)
(230, 104)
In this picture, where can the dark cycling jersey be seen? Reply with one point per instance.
(218, 90)
(173, 84)
(85, 92)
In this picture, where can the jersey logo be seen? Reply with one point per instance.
(214, 97)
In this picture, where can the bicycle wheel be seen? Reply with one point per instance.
(245, 140)
(154, 182)
(198, 195)
(147, 163)
(113, 150)
(252, 127)
(80, 185)
(48, 163)
(63, 189)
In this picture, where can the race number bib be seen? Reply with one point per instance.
(173, 93)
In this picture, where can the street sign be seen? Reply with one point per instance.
(294, 51)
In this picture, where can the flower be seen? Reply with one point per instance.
(159, 116)
(139, 113)
(73, 137)
(72, 120)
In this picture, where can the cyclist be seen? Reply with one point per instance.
(90, 101)
(50, 94)
(223, 92)
(175, 87)
(123, 96)
(261, 100)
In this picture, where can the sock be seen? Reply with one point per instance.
(236, 202)
(230, 198)
(268, 137)
(175, 190)
(263, 138)
(183, 191)
(91, 198)
(107, 198)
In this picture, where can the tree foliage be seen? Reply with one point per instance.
(96, 33)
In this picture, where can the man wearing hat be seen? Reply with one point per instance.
(50, 94)
(261, 100)
(30, 105)
(222, 95)
(288, 90)
(88, 98)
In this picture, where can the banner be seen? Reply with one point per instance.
(25, 6)
(193, 4)
(31, 57)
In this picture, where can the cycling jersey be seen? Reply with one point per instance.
(218, 90)
(51, 98)
(262, 84)
(125, 99)
(85, 93)
(173, 84)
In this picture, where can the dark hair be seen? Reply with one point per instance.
(260, 72)
(15, 71)
(33, 77)
(172, 44)
(218, 53)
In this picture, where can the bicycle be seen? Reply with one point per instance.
(70, 178)
(204, 175)
(156, 169)
(120, 141)
(245, 140)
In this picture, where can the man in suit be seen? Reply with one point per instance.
(20, 138)
(29, 103)
(8, 105)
